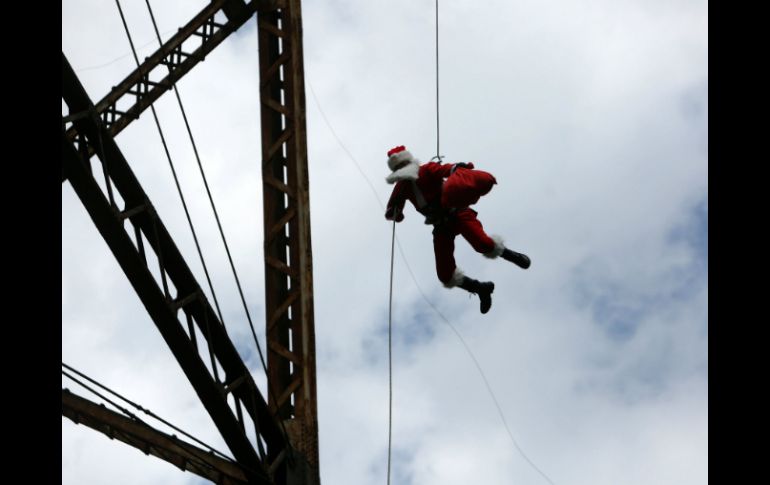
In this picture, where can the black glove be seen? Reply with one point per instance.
(391, 211)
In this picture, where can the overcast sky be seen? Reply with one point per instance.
(592, 115)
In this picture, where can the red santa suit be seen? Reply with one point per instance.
(421, 185)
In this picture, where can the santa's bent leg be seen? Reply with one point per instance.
(490, 246)
(450, 275)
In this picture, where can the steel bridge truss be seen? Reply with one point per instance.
(129, 224)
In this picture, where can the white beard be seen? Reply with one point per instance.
(410, 172)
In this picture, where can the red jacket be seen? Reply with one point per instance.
(427, 178)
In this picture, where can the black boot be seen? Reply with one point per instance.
(484, 290)
(520, 260)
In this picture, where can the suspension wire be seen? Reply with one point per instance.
(438, 151)
(424, 297)
(176, 180)
(135, 405)
(105, 398)
(224, 241)
(344, 148)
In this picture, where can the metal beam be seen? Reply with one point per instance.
(179, 289)
(189, 46)
(150, 441)
(288, 256)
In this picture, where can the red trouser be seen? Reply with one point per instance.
(462, 222)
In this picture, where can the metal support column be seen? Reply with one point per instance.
(288, 256)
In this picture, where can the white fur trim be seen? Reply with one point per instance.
(499, 247)
(457, 278)
(410, 172)
(400, 157)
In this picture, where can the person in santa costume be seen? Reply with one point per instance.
(421, 184)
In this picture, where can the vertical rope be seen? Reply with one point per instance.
(438, 152)
(390, 346)
(390, 296)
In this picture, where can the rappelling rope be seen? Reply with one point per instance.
(390, 345)
(392, 251)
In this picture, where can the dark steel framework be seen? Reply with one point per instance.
(159, 72)
(164, 290)
(288, 255)
(151, 441)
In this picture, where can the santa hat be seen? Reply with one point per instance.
(399, 155)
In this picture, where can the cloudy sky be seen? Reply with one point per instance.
(592, 115)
